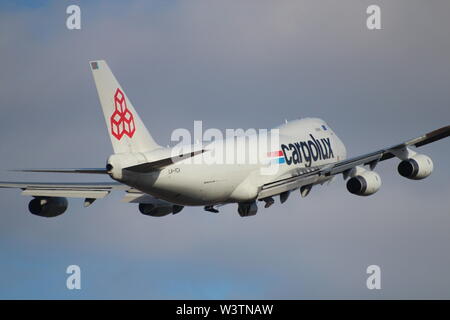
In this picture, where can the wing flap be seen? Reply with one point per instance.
(138, 197)
(67, 190)
(63, 185)
(92, 194)
(270, 190)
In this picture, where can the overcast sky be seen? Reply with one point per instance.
(231, 64)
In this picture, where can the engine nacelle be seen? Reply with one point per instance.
(364, 184)
(48, 207)
(417, 167)
(154, 210)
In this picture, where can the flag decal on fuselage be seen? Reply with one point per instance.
(276, 156)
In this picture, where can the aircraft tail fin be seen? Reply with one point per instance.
(126, 130)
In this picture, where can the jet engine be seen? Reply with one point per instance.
(364, 184)
(417, 167)
(48, 207)
(154, 210)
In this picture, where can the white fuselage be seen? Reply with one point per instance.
(302, 144)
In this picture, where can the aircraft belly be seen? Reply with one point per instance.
(185, 186)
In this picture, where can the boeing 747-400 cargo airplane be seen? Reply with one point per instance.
(163, 181)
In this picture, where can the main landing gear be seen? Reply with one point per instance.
(268, 202)
(211, 209)
(247, 209)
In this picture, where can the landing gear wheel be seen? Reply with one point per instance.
(247, 209)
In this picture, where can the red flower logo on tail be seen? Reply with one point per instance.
(122, 120)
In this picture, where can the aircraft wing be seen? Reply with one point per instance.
(309, 175)
(89, 191)
(67, 190)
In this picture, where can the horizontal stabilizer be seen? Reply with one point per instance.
(158, 164)
(76, 170)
